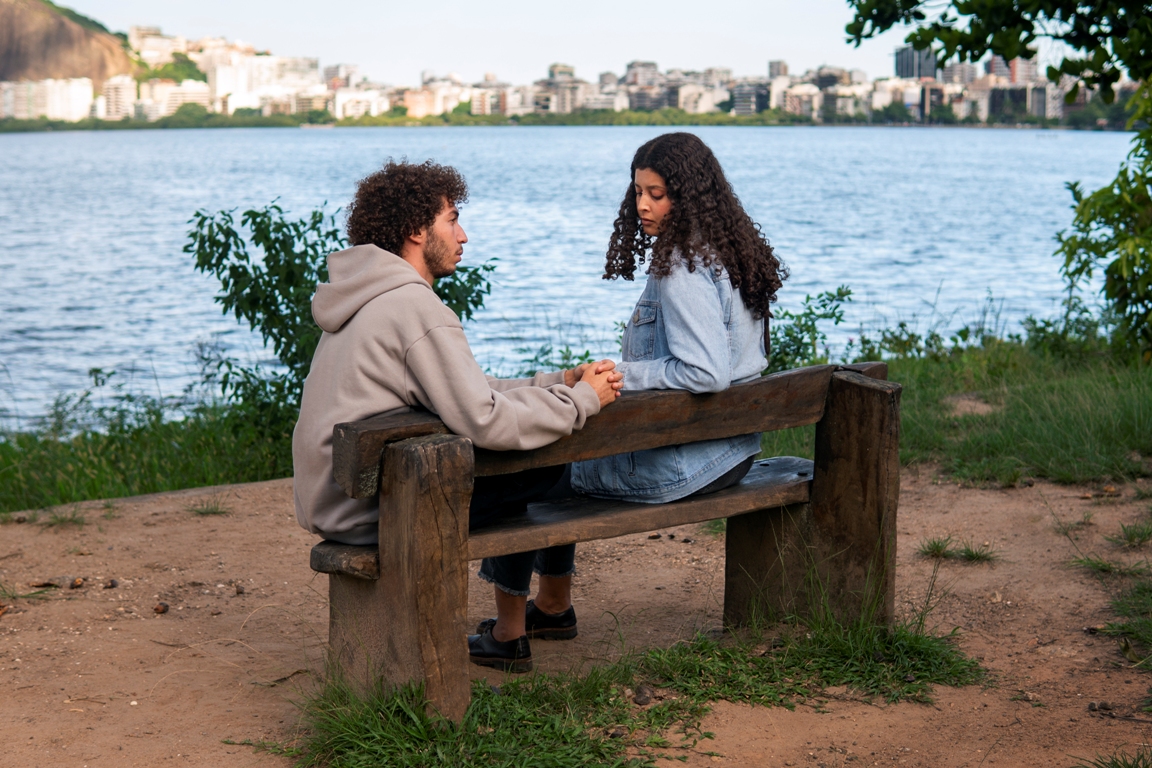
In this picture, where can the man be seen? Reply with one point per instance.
(390, 343)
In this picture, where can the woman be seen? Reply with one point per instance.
(699, 324)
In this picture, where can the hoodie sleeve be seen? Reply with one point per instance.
(441, 375)
(539, 380)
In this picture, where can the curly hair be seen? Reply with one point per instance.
(706, 224)
(401, 200)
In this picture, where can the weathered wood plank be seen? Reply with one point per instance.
(333, 557)
(855, 495)
(770, 483)
(410, 625)
(357, 446)
(635, 422)
(873, 370)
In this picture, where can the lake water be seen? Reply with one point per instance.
(922, 224)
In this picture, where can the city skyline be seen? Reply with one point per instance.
(516, 40)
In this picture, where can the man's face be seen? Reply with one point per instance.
(445, 243)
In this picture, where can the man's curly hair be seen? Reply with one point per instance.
(706, 224)
(400, 200)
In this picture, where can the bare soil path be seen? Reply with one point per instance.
(93, 676)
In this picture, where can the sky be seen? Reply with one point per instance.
(393, 42)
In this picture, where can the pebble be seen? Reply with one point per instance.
(653, 536)
(161, 608)
(111, 584)
(239, 589)
(76, 583)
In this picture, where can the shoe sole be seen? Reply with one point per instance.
(507, 665)
(550, 633)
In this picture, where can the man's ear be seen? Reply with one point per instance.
(419, 236)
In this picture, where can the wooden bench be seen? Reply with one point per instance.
(398, 613)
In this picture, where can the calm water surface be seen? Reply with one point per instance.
(921, 224)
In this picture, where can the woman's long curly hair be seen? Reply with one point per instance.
(707, 224)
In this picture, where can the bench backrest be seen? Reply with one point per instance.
(635, 422)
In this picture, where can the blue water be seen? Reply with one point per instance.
(922, 224)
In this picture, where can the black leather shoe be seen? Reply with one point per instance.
(510, 656)
(540, 625)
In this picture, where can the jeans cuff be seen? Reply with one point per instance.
(570, 572)
(515, 592)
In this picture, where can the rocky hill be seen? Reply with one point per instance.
(39, 40)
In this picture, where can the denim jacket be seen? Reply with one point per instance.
(690, 330)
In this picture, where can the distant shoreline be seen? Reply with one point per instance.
(592, 118)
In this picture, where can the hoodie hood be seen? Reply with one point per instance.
(356, 276)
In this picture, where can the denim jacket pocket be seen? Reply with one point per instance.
(641, 337)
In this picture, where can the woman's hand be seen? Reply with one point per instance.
(603, 377)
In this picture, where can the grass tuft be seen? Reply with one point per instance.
(73, 517)
(937, 548)
(970, 552)
(1134, 536)
(1142, 758)
(1108, 567)
(1065, 528)
(8, 593)
(213, 505)
(111, 511)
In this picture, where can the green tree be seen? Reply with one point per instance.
(1112, 227)
(181, 68)
(894, 112)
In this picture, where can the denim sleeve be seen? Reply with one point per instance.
(698, 359)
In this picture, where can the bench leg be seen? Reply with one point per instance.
(409, 626)
(855, 493)
(765, 564)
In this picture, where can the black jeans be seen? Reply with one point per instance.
(502, 496)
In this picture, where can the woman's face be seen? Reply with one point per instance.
(652, 201)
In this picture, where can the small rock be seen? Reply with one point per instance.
(239, 589)
(686, 540)
(495, 689)
(76, 583)
(671, 535)
(111, 584)
(653, 536)
(161, 608)
(641, 701)
(217, 613)
(909, 678)
(616, 734)
(21, 518)
(659, 587)
(1092, 706)
(1105, 706)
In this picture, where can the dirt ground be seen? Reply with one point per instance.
(93, 676)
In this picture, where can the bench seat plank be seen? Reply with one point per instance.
(770, 483)
(334, 557)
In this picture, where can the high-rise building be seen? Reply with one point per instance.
(913, 64)
(119, 97)
(341, 75)
(1023, 71)
(561, 71)
(961, 72)
(777, 69)
(998, 67)
(642, 73)
(608, 82)
(750, 98)
(717, 77)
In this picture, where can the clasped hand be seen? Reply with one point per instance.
(603, 377)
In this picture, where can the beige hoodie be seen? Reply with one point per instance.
(389, 342)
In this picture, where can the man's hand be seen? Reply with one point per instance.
(603, 377)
